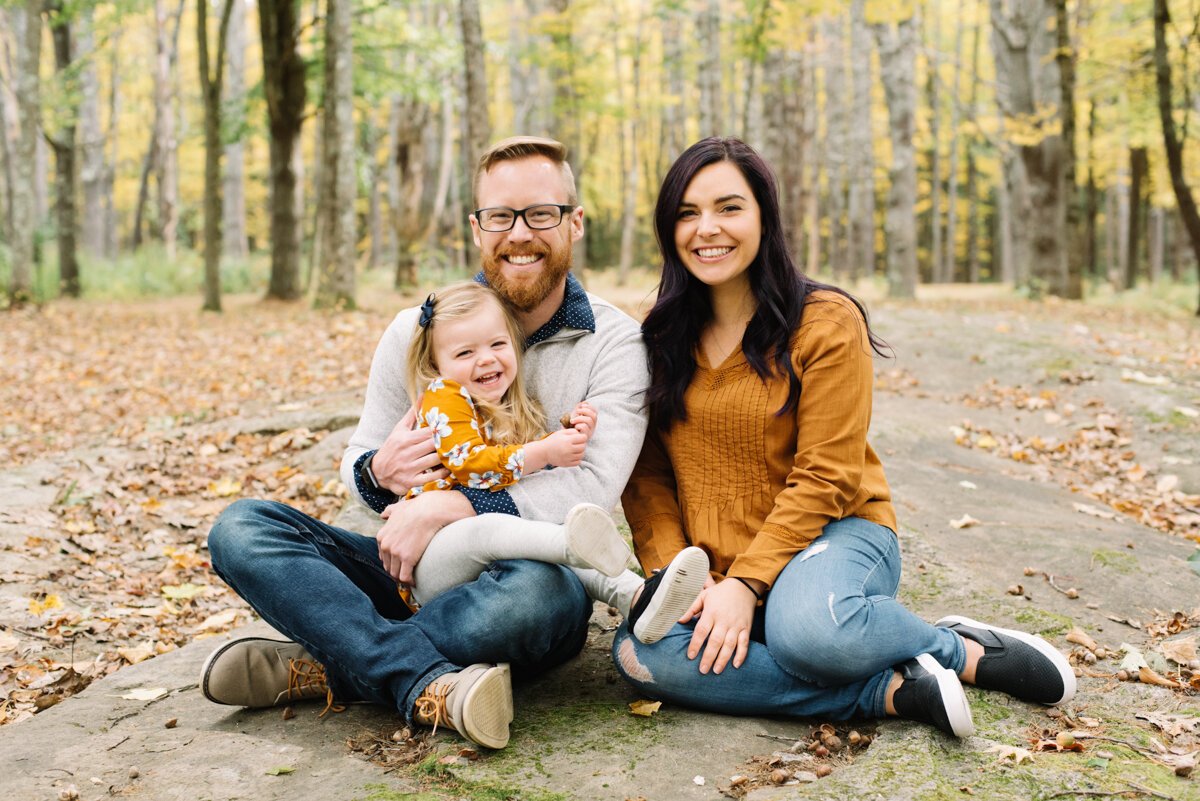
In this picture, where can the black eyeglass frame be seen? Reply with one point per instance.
(519, 214)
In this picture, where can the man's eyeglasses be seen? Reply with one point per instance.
(540, 217)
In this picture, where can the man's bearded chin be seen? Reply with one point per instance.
(526, 295)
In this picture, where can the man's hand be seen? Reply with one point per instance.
(726, 615)
(410, 525)
(404, 457)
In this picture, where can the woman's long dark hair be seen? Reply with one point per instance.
(672, 328)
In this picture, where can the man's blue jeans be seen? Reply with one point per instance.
(823, 645)
(326, 589)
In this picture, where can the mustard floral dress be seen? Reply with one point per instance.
(464, 443)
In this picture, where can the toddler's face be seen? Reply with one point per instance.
(477, 352)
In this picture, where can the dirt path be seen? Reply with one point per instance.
(1070, 436)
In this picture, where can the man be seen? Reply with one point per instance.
(334, 592)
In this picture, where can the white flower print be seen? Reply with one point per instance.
(435, 385)
(440, 423)
(488, 480)
(463, 391)
(516, 463)
(458, 454)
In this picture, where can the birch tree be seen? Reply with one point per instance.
(475, 70)
(234, 243)
(897, 43)
(861, 148)
(1029, 91)
(93, 169)
(60, 133)
(27, 25)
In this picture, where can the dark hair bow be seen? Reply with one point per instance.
(427, 311)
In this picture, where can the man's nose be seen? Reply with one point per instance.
(520, 232)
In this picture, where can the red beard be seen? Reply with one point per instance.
(526, 295)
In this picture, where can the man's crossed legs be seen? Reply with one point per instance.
(355, 640)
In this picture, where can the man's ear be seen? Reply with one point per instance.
(475, 230)
(577, 223)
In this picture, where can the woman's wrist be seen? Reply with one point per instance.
(759, 588)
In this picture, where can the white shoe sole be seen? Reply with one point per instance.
(682, 581)
(1046, 649)
(593, 540)
(488, 708)
(958, 711)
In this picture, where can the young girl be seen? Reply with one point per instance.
(489, 434)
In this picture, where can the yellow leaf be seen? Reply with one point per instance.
(986, 442)
(644, 708)
(151, 504)
(37, 607)
(1016, 754)
(225, 487)
(182, 592)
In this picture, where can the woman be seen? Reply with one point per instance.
(760, 402)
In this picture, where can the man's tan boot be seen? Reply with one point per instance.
(476, 702)
(260, 672)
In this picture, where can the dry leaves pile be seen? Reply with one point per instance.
(1091, 455)
(827, 747)
(116, 570)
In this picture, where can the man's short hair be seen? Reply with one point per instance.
(520, 147)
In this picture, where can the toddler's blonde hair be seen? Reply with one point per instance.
(516, 418)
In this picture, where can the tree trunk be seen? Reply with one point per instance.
(972, 188)
(935, 146)
(110, 168)
(166, 146)
(92, 169)
(567, 123)
(630, 158)
(673, 106)
(1065, 56)
(475, 69)
(234, 243)
(283, 86)
(897, 43)
(1156, 235)
(370, 136)
(1139, 166)
(837, 156)
(410, 124)
(1030, 87)
(210, 92)
(27, 25)
(861, 205)
(949, 267)
(784, 147)
(1174, 147)
(1091, 200)
(63, 143)
(712, 122)
(336, 285)
(9, 122)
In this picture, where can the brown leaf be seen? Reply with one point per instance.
(1080, 637)
(1181, 651)
(1148, 676)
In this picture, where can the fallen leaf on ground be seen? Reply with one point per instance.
(1148, 676)
(139, 653)
(146, 694)
(644, 708)
(182, 592)
(1015, 753)
(282, 770)
(40, 607)
(1134, 660)
(1080, 637)
(1181, 651)
(1094, 511)
(966, 521)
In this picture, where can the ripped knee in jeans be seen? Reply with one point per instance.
(629, 663)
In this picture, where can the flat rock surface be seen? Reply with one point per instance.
(574, 736)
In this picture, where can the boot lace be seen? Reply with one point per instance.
(431, 705)
(306, 678)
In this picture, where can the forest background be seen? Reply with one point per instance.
(298, 150)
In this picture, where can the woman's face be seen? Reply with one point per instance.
(718, 226)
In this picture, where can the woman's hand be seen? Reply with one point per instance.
(726, 615)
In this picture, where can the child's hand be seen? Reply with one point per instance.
(565, 447)
(583, 419)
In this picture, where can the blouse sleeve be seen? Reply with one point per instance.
(832, 357)
(652, 508)
(462, 441)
